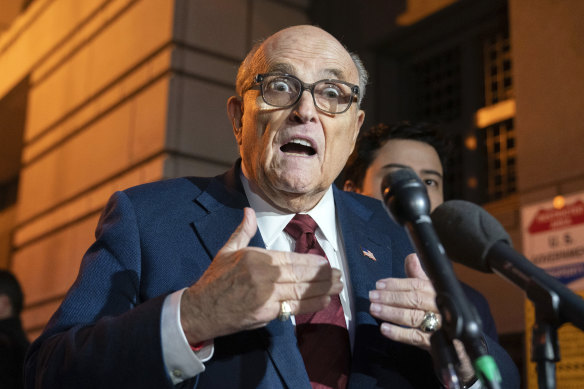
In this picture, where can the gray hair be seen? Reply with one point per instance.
(363, 75)
(251, 66)
(248, 69)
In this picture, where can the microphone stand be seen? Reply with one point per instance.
(554, 303)
(544, 337)
(545, 351)
(407, 202)
(445, 359)
(458, 320)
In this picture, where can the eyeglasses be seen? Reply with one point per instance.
(285, 90)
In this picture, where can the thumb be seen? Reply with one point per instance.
(414, 268)
(243, 233)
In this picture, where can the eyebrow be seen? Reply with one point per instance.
(338, 74)
(401, 166)
(281, 68)
(286, 68)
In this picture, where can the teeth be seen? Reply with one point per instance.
(301, 142)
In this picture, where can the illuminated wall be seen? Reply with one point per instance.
(547, 40)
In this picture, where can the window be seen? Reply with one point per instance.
(437, 86)
(499, 140)
(497, 68)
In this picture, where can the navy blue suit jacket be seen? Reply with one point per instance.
(157, 238)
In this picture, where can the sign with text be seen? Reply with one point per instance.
(553, 239)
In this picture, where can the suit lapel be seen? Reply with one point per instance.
(223, 202)
(284, 353)
(360, 239)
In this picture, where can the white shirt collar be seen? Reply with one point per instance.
(272, 221)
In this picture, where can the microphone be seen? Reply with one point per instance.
(472, 237)
(407, 202)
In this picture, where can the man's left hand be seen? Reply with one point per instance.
(401, 304)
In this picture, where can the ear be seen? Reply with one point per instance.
(360, 120)
(349, 186)
(235, 113)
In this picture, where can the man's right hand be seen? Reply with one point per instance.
(244, 286)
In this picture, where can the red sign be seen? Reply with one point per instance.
(553, 219)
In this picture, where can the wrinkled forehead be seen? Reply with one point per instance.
(311, 56)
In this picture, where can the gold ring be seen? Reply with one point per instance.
(430, 322)
(284, 311)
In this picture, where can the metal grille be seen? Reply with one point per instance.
(437, 87)
(501, 159)
(497, 68)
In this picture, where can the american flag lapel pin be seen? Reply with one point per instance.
(368, 254)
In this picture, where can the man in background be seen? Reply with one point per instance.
(421, 147)
(13, 340)
(384, 149)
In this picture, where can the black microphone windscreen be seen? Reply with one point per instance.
(405, 196)
(397, 180)
(398, 176)
(468, 232)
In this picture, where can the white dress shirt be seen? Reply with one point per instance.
(271, 223)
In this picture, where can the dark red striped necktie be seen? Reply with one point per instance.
(322, 336)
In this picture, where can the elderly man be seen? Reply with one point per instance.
(225, 282)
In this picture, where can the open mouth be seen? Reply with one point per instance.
(298, 147)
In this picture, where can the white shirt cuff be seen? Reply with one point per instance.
(180, 360)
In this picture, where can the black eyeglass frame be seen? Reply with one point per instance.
(259, 84)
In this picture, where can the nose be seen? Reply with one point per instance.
(304, 111)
